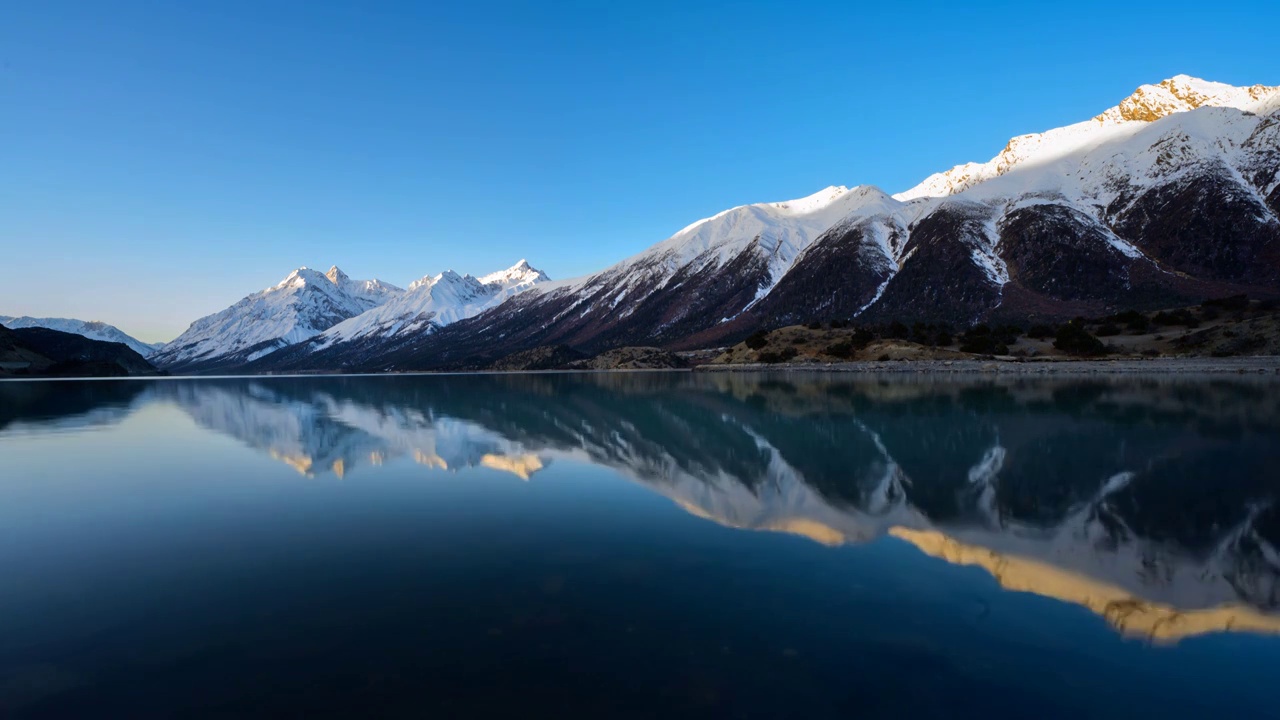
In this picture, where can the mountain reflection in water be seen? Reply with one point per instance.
(1152, 503)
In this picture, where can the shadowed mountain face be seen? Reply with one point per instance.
(1162, 495)
(38, 351)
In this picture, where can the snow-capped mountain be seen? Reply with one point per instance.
(518, 277)
(1147, 104)
(431, 303)
(92, 329)
(302, 305)
(308, 312)
(711, 269)
(1169, 197)
(366, 292)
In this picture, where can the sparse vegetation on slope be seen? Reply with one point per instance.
(1223, 327)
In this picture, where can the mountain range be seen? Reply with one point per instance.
(1170, 197)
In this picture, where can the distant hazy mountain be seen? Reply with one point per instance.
(93, 330)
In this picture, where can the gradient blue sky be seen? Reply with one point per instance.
(160, 160)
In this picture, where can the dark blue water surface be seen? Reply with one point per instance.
(639, 545)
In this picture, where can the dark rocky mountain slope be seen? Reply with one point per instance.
(40, 352)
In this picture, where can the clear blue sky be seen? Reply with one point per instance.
(159, 160)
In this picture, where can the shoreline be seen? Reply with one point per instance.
(1260, 365)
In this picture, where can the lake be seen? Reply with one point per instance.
(640, 545)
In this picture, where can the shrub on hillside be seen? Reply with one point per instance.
(981, 340)
(983, 345)
(1133, 320)
(843, 350)
(783, 355)
(1125, 318)
(1233, 302)
(1176, 317)
(1040, 332)
(1073, 339)
(862, 337)
(928, 333)
(757, 340)
(1007, 334)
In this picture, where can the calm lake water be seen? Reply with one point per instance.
(647, 545)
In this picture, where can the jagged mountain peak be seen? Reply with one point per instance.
(300, 277)
(336, 276)
(520, 273)
(1182, 93)
(305, 303)
(369, 292)
(432, 302)
(452, 277)
(447, 277)
(424, 281)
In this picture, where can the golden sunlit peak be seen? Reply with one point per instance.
(522, 466)
(339, 468)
